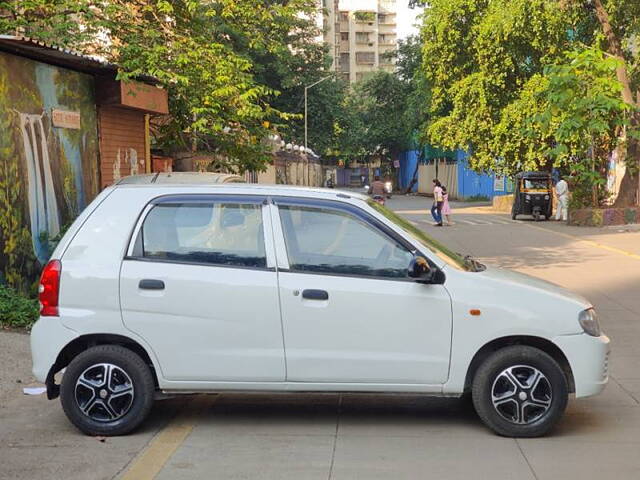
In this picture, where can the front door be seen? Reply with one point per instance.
(199, 285)
(350, 313)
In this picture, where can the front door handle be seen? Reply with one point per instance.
(151, 284)
(315, 294)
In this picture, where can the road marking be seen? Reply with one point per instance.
(588, 242)
(162, 447)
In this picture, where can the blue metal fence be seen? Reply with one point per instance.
(470, 183)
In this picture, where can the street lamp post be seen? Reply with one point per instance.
(306, 106)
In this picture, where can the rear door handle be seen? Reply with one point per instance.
(315, 294)
(151, 284)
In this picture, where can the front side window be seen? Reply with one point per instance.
(336, 242)
(210, 233)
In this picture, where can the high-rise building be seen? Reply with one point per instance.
(361, 34)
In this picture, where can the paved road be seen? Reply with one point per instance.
(362, 437)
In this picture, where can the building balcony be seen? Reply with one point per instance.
(365, 17)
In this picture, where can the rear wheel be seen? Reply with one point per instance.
(107, 390)
(520, 391)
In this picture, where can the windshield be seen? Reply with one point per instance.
(441, 251)
(536, 184)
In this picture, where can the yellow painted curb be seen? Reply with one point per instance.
(152, 459)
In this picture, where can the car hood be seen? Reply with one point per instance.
(536, 285)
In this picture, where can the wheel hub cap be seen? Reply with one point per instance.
(521, 394)
(104, 392)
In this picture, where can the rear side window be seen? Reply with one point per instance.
(210, 233)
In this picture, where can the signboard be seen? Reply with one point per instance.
(396, 164)
(66, 119)
(498, 183)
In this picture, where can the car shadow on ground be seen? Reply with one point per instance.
(351, 414)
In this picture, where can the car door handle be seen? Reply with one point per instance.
(150, 284)
(315, 294)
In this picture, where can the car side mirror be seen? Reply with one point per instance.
(421, 272)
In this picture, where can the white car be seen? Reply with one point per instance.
(164, 285)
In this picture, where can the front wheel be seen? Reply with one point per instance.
(107, 390)
(520, 391)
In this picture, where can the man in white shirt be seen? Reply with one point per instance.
(562, 193)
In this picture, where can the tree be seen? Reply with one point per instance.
(585, 113)
(203, 52)
(479, 59)
(483, 70)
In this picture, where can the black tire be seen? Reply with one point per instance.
(125, 411)
(513, 213)
(520, 360)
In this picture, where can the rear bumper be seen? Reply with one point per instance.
(48, 337)
(589, 360)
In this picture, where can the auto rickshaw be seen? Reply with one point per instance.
(533, 195)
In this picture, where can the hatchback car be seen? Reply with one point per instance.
(168, 286)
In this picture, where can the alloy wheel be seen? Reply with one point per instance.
(104, 392)
(521, 394)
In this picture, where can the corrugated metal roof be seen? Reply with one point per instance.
(63, 57)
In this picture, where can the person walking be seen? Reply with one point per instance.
(436, 209)
(446, 209)
(562, 194)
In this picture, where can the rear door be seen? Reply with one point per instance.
(199, 285)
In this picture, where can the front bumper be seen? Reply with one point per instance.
(589, 360)
(48, 337)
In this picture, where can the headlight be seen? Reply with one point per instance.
(527, 197)
(546, 197)
(589, 321)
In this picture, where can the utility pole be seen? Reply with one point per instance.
(306, 108)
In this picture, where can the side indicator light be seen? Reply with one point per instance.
(475, 312)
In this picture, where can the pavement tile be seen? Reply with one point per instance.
(553, 459)
(209, 453)
(434, 457)
(264, 414)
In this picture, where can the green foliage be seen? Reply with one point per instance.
(17, 259)
(381, 113)
(482, 67)
(16, 310)
(365, 16)
(223, 62)
(585, 113)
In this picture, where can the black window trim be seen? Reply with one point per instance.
(186, 198)
(362, 215)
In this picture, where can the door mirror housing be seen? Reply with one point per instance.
(421, 272)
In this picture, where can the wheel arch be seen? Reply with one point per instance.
(543, 344)
(84, 342)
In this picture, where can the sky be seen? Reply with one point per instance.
(406, 18)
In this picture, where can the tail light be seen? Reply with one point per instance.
(49, 289)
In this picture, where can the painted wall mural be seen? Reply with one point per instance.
(48, 161)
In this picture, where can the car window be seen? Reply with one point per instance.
(212, 233)
(440, 250)
(332, 241)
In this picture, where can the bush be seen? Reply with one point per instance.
(16, 310)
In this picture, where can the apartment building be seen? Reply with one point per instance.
(361, 34)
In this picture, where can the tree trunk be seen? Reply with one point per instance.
(628, 194)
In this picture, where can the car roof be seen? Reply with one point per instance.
(196, 182)
(181, 178)
(542, 175)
